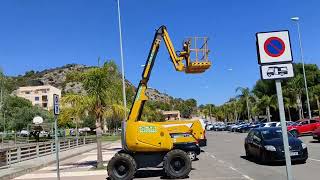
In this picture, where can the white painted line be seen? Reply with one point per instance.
(243, 175)
(234, 169)
(63, 174)
(314, 159)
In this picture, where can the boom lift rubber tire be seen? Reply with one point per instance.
(177, 164)
(122, 166)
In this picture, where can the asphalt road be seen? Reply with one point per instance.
(223, 158)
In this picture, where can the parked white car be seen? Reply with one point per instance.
(270, 124)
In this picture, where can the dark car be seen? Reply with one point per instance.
(266, 145)
(316, 134)
(243, 128)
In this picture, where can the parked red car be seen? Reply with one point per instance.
(316, 134)
(302, 127)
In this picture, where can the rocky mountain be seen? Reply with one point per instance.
(57, 78)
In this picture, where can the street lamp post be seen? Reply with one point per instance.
(123, 135)
(122, 63)
(296, 19)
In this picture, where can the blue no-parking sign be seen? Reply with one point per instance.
(273, 47)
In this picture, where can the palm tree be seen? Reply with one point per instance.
(266, 102)
(289, 103)
(102, 87)
(295, 88)
(74, 107)
(315, 96)
(246, 95)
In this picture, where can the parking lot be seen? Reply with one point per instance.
(223, 158)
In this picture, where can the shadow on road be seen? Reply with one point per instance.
(150, 173)
(314, 141)
(112, 149)
(270, 163)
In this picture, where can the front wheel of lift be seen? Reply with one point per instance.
(121, 167)
(177, 164)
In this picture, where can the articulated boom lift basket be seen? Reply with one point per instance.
(198, 61)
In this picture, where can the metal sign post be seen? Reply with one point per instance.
(284, 129)
(56, 112)
(275, 58)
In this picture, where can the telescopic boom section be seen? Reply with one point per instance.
(177, 60)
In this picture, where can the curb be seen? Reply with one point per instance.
(50, 162)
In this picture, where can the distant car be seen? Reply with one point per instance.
(288, 123)
(316, 134)
(221, 127)
(209, 127)
(269, 124)
(234, 127)
(302, 127)
(24, 133)
(243, 128)
(44, 134)
(266, 145)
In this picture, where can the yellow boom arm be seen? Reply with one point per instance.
(177, 60)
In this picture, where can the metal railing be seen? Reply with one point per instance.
(16, 154)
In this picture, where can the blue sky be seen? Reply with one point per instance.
(40, 34)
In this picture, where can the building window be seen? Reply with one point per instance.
(36, 98)
(27, 92)
(44, 98)
(44, 105)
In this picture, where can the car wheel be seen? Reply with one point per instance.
(248, 155)
(262, 158)
(243, 131)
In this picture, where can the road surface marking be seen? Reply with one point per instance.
(63, 174)
(234, 169)
(243, 175)
(314, 159)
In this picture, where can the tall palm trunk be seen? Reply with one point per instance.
(299, 103)
(248, 110)
(289, 113)
(268, 113)
(99, 148)
(318, 105)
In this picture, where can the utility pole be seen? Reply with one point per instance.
(296, 19)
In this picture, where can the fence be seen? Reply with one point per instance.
(16, 154)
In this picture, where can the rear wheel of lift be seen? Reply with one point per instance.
(177, 164)
(192, 155)
(121, 166)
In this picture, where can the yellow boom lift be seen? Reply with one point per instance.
(147, 144)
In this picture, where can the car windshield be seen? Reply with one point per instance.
(269, 134)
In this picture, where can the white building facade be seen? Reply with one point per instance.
(41, 96)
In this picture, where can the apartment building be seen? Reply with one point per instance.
(41, 96)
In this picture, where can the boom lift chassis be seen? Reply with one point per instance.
(146, 144)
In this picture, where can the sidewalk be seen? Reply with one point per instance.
(28, 166)
(79, 167)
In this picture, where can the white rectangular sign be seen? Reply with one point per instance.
(277, 71)
(56, 109)
(274, 47)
